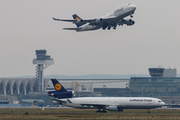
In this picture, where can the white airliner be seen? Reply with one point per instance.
(112, 19)
(105, 103)
(112, 103)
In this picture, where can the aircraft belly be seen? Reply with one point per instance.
(89, 28)
(79, 106)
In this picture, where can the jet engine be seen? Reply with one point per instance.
(60, 95)
(79, 21)
(98, 21)
(129, 22)
(113, 108)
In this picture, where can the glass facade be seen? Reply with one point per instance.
(156, 72)
(154, 86)
(41, 55)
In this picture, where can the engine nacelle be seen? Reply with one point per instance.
(79, 21)
(129, 22)
(98, 21)
(113, 108)
(60, 95)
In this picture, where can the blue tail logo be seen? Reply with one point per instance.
(58, 86)
(80, 23)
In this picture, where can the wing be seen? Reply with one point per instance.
(59, 101)
(86, 21)
(103, 22)
(71, 28)
(96, 105)
(91, 21)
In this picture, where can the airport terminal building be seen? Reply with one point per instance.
(162, 84)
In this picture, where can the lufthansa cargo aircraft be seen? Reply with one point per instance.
(106, 103)
(110, 20)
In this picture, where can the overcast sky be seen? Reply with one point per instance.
(27, 25)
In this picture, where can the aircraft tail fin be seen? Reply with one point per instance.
(60, 92)
(58, 87)
(76, 17)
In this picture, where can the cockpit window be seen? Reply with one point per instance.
(129, 4)
(159, 101)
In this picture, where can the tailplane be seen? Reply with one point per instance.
(72, 29)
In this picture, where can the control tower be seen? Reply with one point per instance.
(43, 61)
(162, 72)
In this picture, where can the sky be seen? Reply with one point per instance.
(27, 25)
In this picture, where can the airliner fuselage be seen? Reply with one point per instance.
(113, 103)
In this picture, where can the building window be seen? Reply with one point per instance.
(6, 98)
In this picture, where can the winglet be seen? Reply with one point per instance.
(56, 19)
(58, 87)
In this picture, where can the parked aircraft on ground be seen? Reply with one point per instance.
(112, 19)
(107, 103)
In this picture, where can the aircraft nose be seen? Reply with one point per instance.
(163, 103)
(134, 7)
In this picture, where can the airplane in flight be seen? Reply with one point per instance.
(110, 20)
(108, 103)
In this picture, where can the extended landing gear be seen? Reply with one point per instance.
(109, 28)
(99, 111)
(114, 27)
(148, 111)
(131, 15)
(104, 27)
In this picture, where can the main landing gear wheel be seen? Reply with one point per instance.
(109, 28)
(131, 15)
(101, 111)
